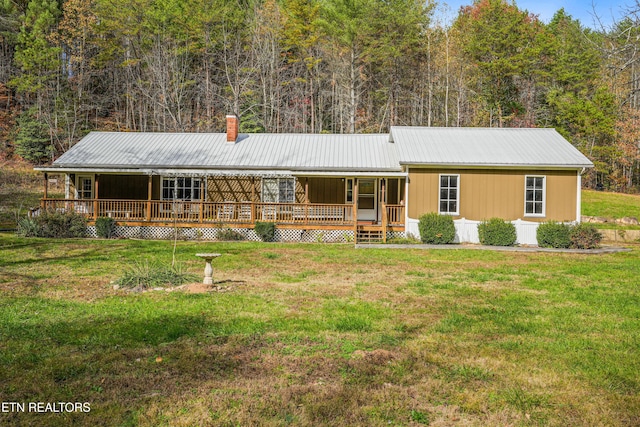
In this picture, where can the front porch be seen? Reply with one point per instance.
(361, 205)
(236, 215)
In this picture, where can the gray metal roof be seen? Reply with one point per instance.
(486, 147)
(292, 152)
(321, 153)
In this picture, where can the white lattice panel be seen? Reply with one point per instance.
(281, 235)
(395, 235)
(91, 231)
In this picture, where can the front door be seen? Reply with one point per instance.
(367, 199)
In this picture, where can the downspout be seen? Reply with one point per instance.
(579, 196)
(406, 199)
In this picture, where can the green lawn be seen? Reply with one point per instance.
(610, 205)
(320, 335)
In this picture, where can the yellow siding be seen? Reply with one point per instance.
(486, 194)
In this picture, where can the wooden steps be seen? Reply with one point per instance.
(369, 234)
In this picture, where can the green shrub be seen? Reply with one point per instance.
(585, 236)
(497, 232)
(228, 234)
(436, 229)
(553, 235)
(105, 227)
(265, 230)
(53, 224)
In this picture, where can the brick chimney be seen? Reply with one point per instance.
(232, 128)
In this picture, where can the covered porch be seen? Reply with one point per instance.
(239, 200)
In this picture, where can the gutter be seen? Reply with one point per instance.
(496, 166)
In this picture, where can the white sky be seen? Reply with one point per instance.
(607, 10)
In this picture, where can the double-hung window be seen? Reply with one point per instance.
(181, 188)
(278, 190)
(449, 196)
(534, 200)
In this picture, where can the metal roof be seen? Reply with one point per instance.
(321, 153)
(486, 147)
(292, 152)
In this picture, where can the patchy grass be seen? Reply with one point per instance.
(320, 335)
(610, 205)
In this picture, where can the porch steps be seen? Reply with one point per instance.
(369, 234)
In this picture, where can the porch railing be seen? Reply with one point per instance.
(206, 212)
(395, 214)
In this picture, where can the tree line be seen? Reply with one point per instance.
(310, 66)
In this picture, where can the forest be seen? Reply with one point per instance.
(68, 67)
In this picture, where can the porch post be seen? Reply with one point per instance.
(149, 192)
(306, 200)
(46, 190)
(96, 195)
(203, 189)
(253, 200)
(355, 210)
(384, 212)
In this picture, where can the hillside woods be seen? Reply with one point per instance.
(71, 66)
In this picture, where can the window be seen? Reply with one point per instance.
(349, 190)
(449, 194)
(534, 196)
(181, 188)
(278, 190)
(84, 187)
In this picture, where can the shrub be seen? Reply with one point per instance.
(53, 224)
(228, 234)
(436, 229)
(265, 230)
(553, 235)
(585, 236)
(497, 232)
(105, 227)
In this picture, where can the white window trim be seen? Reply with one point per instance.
(77, 185)
(457, 212)
(203, 185)
(544, 197)
(262, 192)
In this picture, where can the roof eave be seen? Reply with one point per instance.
(498, 165)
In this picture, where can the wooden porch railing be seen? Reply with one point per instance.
(395, 214)
(206, 212)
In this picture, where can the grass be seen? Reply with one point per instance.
(320, 335)
(610, 205)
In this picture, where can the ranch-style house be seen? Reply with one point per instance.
(320, 187)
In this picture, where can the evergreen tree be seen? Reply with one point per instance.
(31, 140)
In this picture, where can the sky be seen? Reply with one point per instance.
(607, 10)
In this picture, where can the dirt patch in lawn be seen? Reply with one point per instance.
(201, 288)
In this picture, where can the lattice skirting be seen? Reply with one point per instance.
(396, 235)
(281, 235)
